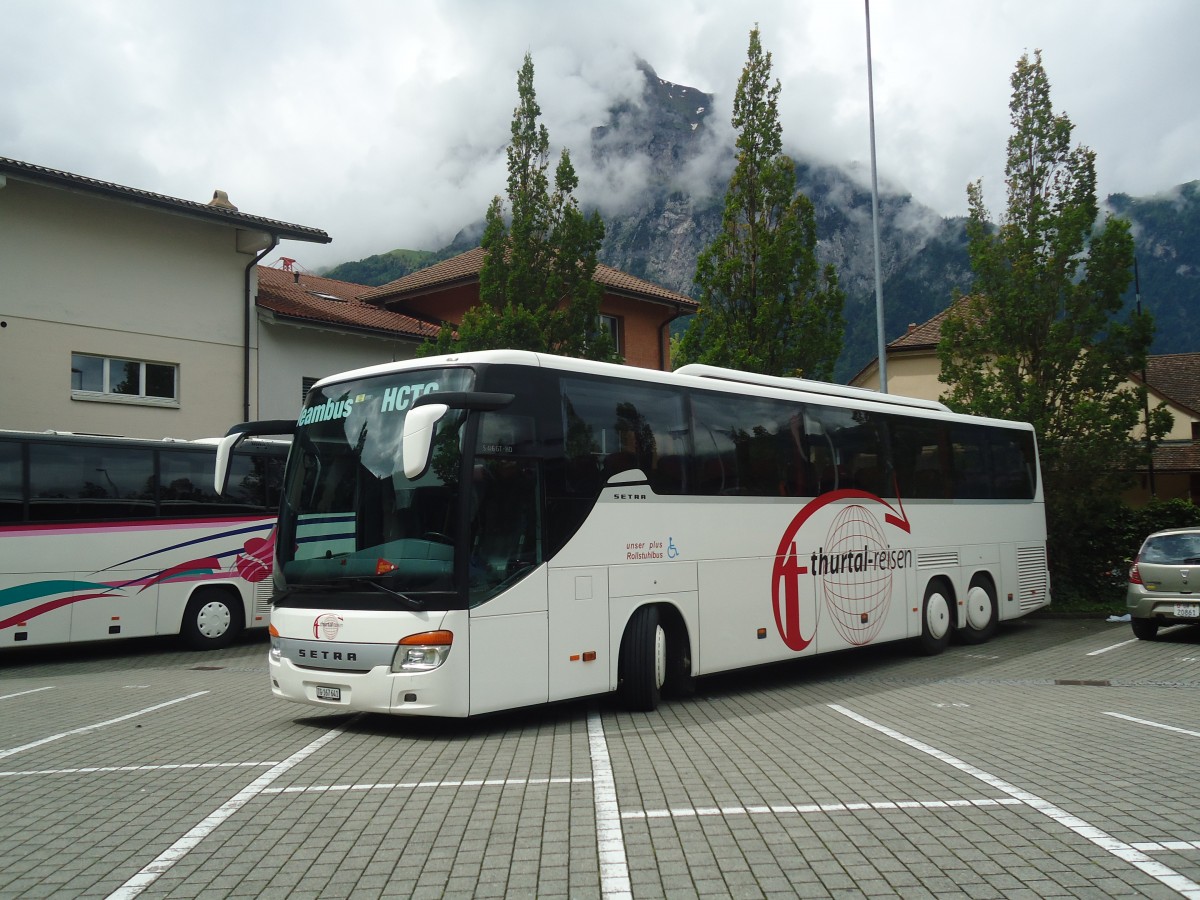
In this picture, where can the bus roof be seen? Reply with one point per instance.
(695, 375)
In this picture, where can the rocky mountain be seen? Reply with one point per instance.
(678, 161)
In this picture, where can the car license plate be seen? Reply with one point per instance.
(328, 693)
(1187, 610)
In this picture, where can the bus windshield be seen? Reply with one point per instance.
(350, 519)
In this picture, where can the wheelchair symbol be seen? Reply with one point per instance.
(672, 550)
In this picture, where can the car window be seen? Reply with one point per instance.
(1172, 549)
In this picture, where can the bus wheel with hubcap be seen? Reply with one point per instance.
(643, 660)
(1144, 629)
(935, 619)
(981, 613)
(211, 621)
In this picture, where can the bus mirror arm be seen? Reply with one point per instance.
(235, 436)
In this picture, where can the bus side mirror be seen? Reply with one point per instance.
(236, 435)
(417, 442)
(224, 451)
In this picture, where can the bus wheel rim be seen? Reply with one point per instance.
(937, 615)
(213, 619)
(979, 608)
(660, 657)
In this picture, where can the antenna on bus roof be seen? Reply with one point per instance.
(700, 370)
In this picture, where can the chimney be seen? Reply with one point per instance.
(912, 326)
(221, 199)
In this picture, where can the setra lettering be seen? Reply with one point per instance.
(333, 655)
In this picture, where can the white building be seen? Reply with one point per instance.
(128, 312)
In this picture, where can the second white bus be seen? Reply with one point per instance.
(103, 538)
(466, 534)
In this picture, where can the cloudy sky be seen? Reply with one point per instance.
(384, 122)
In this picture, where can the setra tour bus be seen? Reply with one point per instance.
(104, 538)
(471, 533)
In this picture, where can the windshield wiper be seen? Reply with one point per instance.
(412, 602)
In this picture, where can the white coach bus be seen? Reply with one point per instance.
(478, 532)
(103, 538)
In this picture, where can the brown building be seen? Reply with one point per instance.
(637, 313)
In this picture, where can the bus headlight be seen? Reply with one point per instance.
(276, 644)
(422, 652)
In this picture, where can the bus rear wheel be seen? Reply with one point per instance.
(982, 613)
(936, 618)
(211, 621)
(643, 661)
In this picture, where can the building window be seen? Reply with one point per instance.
(124, 380)
(612, 325)
(306, 385)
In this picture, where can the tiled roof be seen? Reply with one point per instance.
(926, 335)
(1176, 375)
(1176, 456)
(298, 295)
(466, 266)
(23, 171)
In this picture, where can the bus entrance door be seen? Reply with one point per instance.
(579, 638)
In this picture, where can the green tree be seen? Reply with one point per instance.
(537, 286)
(1041, 338)
(766, 305)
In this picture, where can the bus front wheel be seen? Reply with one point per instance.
(211, 621)
(643, 661)
(936, 619)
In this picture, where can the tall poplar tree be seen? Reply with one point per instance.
(1041, 338)
(766, 305)
(537, 286)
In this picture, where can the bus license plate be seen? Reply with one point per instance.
(328, 693)
(1187, 610)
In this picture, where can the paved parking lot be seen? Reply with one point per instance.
(1058, 760)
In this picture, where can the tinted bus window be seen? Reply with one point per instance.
(848, 450)
(610, 428)
(749, 446)
(921, 458)
(186, 484)
(11, 486)
(68, 483)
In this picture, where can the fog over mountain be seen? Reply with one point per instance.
(657, 173)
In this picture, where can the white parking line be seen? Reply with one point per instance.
(814, 808)
(93, 770)
(1120, 849)
(177, 851)
(87, 728)
(23, 693)
(614, 868)
(414, 785)
(1165, 846)
(1116, 715)
(1112, 647)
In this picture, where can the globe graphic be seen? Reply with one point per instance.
(857, 600)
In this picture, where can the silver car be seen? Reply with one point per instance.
(1164, 582)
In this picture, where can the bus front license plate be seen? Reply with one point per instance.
(1187, 610)
(328, 693)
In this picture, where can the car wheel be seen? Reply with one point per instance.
(1144, 629)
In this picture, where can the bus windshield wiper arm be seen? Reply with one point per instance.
(412, 602)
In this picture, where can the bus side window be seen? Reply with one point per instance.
(11, 483)
(610, 428)
(101, 482)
